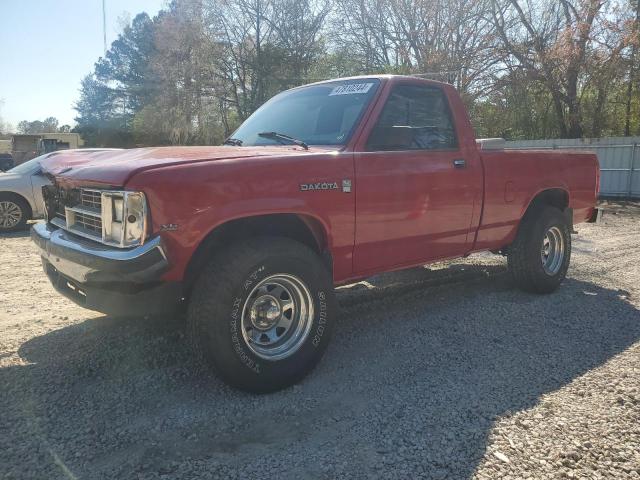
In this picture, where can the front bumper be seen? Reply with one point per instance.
(106, 279)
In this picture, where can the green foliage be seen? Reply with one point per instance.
(100, 122)
(125, 67)
(119, 87)
(48, 125)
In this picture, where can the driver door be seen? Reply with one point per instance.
(415, 185)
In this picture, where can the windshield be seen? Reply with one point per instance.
(28, 166)
(323, 114)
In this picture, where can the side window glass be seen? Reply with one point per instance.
(414, 118)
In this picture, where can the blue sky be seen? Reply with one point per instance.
(47, 46)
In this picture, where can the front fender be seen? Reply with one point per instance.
(195, 199)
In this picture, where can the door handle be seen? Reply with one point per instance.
(459, 163)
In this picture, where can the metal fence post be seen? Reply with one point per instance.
(631, 169)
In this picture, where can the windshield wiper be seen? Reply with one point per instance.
(233, 141)
(282, 138)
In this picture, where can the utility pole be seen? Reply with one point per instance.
(104, 26)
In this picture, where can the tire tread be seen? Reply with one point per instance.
(217, 280)
(525, 272)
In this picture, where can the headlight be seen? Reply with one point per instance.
(124, 218)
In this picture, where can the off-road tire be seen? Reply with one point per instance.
(524, 255)
(214, 313)
(25, 211)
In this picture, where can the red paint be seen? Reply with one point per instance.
(405, 208)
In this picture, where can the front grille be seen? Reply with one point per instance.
(77, 210)
(57, 199)
(88, 222)
(91, 199)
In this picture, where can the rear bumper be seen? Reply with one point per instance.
(109, 280)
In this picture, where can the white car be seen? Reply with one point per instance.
(21, 191)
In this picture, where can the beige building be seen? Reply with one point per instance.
(5, 146)
(26, 147)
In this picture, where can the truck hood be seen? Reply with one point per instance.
(115, 168)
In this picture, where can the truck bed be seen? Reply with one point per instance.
(512, 178)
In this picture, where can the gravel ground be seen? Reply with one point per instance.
(438, 372)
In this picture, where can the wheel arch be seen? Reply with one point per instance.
(14, 195)
(305, 229)
(556, 197)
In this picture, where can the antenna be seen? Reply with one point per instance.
(104, 26)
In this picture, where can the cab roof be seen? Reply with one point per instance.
(381, 77)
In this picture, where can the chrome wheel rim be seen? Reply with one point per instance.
(10, 214)
(553, 251)
(277, 316)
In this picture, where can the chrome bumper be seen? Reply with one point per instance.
(87, 261)
(103, 278)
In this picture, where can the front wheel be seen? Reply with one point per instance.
(539, 257)
(262, 312)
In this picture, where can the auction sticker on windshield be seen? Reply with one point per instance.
(351, 89)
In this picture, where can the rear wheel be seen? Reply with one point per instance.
(14, 213)
(261, 313)
(539, 257)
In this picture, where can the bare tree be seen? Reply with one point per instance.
(297, 25)
(553, 41)
(239, 27)
(452, 39)
(634, 41)
(526, 68)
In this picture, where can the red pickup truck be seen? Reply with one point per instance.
(324, 185)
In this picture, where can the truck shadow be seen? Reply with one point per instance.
(414, 379)
(19, 234)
